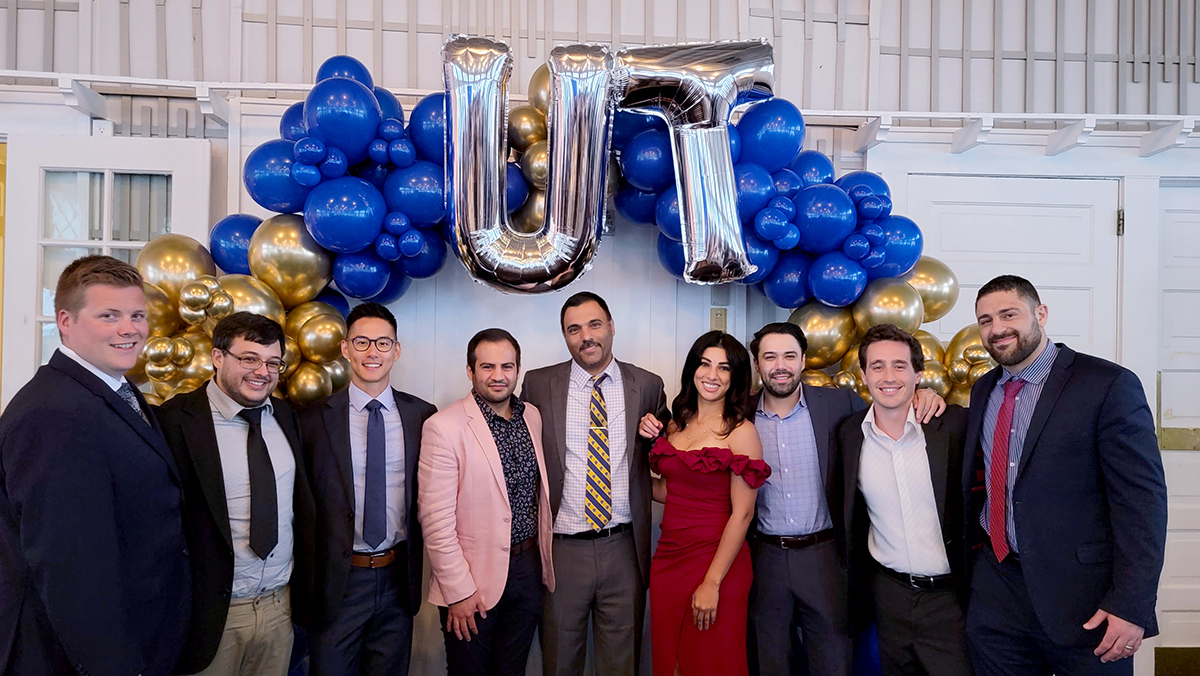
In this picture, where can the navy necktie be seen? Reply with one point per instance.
(264, 501)
(375, 496)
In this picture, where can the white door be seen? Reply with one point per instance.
(73, 196)
(1059, 233)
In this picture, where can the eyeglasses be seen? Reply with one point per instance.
(362, 343)
(251, 363)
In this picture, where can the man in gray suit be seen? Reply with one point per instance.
(599, 493)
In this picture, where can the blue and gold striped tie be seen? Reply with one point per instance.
(598, 502)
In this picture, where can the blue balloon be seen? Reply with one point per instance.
(291, 124)
(398, 284)
(785, 205)
(378, 151)
(396, 223)
(411, 242)
(826, 217)
(666, 214)
(427, 127)
(307, 175)
(268, 178)
(345, 215)
(873, 232)
(859, 192)
(870, 208)
(771, 224)
(386, 247)
(418, 191)
(887, 205)
(873, 182)
(428, 261)
(902, 246)
(787, 285)
(647, 162)
(229, 242)
(873, 260)
(330, 296)
(344, 114)
(670, 254)
(341, 65)
(335, 164)
(787, 183)
(836, 280)
(402, 152)
(371, 172)
(635, 205)
(789, 239)
(856, 246)
(755, 188)
(772, 133)
(763, 254)
(389, 105)
(627, 124)
(391, 129)
(309, 150)
(735, 143)
(516, 190)
(813, 168)
(361, 274)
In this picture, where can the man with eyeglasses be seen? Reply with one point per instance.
(249, 510)
(362, 446)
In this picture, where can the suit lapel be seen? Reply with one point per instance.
(1056, 380)
(854, 444)
(487, 444)
(411, 424)
(200, 436)
(818, 412)
(557, 415)
(633, 399)
(937, 447)
(337, 428)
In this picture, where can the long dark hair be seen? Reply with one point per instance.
(737, 399)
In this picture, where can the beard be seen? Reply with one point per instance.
(1027, 343)
(781, 390)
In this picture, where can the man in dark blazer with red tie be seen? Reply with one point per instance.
(1073, 504)
(362, 446)
(94, 570)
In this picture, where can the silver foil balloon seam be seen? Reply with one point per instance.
(582, 103)
(696, 87)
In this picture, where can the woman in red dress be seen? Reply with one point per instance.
(710, 467)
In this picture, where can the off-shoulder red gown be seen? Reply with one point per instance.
(697, 510)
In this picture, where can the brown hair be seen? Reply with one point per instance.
(91, 271)
(891, 332)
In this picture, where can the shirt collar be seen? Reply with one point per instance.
(581, 378)
(518, 408)
(1037, 371)
(114, 383)
(800, 403)
(869, 425)
(360, 399)
(226, 406)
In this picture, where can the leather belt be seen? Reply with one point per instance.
(380, 560)
(596, 534)
(796, 541)
(523, 546)
(920, 582)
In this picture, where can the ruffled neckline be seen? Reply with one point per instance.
(712, 459)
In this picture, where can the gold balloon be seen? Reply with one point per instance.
(192, 317)
(960, 396)
(162, 387)
(931, 347)
(937, 378)
(976, 354)
(209, 281)
(161, 314)
(937, 285)
(978, 371)
(526, 126)
(815, 378)
(183, 352)
(291, 357)
(159, 350)
(304, 312)
(966, 337)
(539, 88)
(535, 165)
(850, 363)
(864, 393)
(137, 374)
(200, 367)
(250, 295)
(161, 372)
(532, 214)
(889, 300)
(339, 372)
(309, 384)
(959, 369)
(170, 261)
(221, 305)
(321, 338)
(286, 258)
(830, 332)
(845, 380)
(152, 399)
(195, 295)
(184, 386)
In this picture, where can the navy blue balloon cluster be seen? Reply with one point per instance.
(370, 187)
(811, 237)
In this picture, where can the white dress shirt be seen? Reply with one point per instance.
(571, 515)
(114, 383)
(393, 428)
(253, 576)
(893, 475)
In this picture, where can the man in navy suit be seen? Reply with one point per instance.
(1073, 503)
(94, 573)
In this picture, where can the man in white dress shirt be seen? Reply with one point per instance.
(904, 538)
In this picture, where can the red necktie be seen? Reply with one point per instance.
(998, 473)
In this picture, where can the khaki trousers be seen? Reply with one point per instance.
(257, 640)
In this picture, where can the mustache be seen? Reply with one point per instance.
(1001, 336)
(781, 372)
(588, 343)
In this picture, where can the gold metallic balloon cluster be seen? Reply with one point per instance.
(925, 294)
(185, 300)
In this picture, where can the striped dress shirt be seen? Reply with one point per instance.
(1034, 376)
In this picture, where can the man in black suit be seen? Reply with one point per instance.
(1075, 501)
(94, 572)
(904, 539)
(605, 557)
(250, 511)
(362, 446)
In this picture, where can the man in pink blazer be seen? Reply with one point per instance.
(484, 507)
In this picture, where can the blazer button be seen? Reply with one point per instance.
(345, 555)
(505, 549)
(507, 520)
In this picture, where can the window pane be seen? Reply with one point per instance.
(54, 260)
(50, 341)
(127, 255)
(141, 207)
(73, 208)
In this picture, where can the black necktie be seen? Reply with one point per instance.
(264, 505)
(375, 495)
